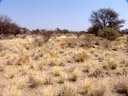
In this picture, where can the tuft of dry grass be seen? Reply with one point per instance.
(38, 65)
(97, 90)
(110, 64)
(48, 80)
(10, 72)
(48, 92)
(12, 91)
(68, 90)
(23, 59)
(56, 71)
(52, 61)
(21, 82)
(75, 74)
(86, 85)
(106, 44)
(88, 41)
(124, 62)
(35, 80)
(37, 42)
(63, 77)
(96, 72)
(121, 84)
(87, 68)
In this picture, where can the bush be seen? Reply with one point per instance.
(93, 30)
(7, 27)
(25, 29)
(37, 30)
(109, 33)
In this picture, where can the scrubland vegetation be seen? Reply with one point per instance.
(64, 63)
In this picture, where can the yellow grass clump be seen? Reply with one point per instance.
(12, 91)
(63, 77)
(68, 90)
(121, 84)
(56, 71)
(75, 74)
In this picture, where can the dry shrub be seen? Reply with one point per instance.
(23, 59)
(52, 54)
(47, 35)
(97, 90)
(37, 55)
(63, 45)
(106, 44)
(87, 41)
(68, 90)
(7, 27)
(26, 46)
(110, 64)
(80, 57)
(78, 34)
(53, 61)
(48, 80)
(71, 42)
(85, 47)
(121, 84)
(96, 72)
(37, 42)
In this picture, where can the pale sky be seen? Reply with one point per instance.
(64, 14)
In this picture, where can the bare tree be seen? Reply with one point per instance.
(106, 18)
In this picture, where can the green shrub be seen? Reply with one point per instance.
(109, 33)
(37, 30)
(25, 29)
